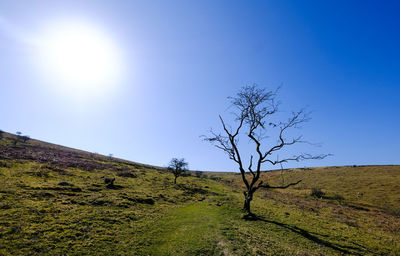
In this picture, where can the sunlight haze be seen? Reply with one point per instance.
(80, 58)
(144, 80)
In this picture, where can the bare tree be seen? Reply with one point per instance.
(177, 167)
(19, 134)
(109, 182)
(256, 110)
(25, 138)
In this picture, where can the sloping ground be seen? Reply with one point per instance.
(14, 147)
(359, 212)
(54, 201)
(371, 187)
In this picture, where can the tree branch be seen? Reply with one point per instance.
(235, 150)
(298, 158)
(250, 165)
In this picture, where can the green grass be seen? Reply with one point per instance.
(364, 186)
(37, 215)
(193, 229)
(149, 215)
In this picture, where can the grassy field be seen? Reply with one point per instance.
(54, 201)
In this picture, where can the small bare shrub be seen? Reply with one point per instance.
(4, 164)
(317, 192)
(198, 174)
(215, 178)
(127, 173)
(25, 138)
(177, 167)
(338, 198)
(395, 211)
(42, 173)
(109, 181)
(64, 183)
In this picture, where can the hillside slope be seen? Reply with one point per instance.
(54, 201)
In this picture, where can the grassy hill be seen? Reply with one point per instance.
(54, 201)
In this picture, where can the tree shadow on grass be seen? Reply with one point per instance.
(310, 236)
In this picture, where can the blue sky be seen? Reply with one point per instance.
(180, 60)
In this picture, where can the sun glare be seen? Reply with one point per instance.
(80, 59)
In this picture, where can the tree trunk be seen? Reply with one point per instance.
(175, 180)
(248, 196)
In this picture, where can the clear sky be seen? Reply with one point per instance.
(175, 63)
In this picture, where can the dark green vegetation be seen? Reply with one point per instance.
(55, 201)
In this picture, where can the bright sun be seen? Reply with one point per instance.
(81, 59)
